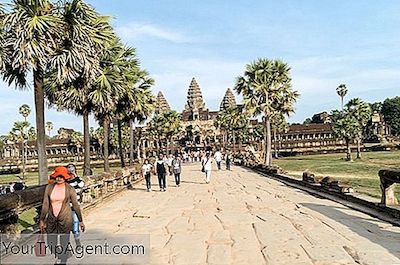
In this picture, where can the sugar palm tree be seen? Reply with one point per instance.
(166, 125)
(278, 124)
(25, 110)
(29, 35)
(18, 135)
(341, 90)
(346, 127)
(266, 89)
(74, 87)
(362, 112)
(233, 122)
(49, 127)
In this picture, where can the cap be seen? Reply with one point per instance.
(61, 171)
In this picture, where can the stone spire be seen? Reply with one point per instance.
(161, 103)
(228, 100)
(194, 97)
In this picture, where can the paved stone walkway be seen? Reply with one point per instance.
(244, 218)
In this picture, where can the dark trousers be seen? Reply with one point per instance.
(148, 182)
(59, 251)
(161, 180)
(228, 165)
(177, 178)
(219, 165)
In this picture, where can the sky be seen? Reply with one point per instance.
(325, 42)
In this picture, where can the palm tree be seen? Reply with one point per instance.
(49, 127)
(345, 126)
(18, 135)
(278, 124)
(266, 89)
(362, 112)
(31, 134)
(166, 125)
(74, 87)
(29, 32)
(233, 122)
(25, 110)
(341, 90)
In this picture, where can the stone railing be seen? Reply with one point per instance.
(96, 189)
(389, 177)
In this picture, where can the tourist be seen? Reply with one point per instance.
(77, 183)
(169, 162)
(218, 159)
(177, 169)
(56, 216)
(206, 163)
(228, 160)
(146, 173)
(161, 171)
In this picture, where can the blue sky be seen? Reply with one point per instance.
(325, 43)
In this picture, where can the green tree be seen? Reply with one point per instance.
(29, 29)
(346, 127)
(25, 110)
(391, 113)
(341, 90)
(49, 127)
(361, 111)
(266, 89)
(235, 123)
(166, 125)
(278, 125)
(19, 135)
(75, 86)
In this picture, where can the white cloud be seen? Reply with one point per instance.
(133, 30)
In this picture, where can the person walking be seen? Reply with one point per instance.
(169, 162)
(161, 171)
(56, 215)
(228, 161)
(218, 159)
(146, 173)
(77, 183)
(177, 169)
(206, 163)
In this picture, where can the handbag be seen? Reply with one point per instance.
(40, 247)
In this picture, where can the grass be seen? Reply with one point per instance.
(361, 174)
(31, 178)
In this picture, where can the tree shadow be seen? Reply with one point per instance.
(363, 226)
(192, 182)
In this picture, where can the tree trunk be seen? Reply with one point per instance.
(358, 149)
(131, 139)
(23, 159)
(121, 151)
(106, 128)
(40, 129)
(86, 143)
(349, 157)
(233, 141)
(268, 153)
(275, 144)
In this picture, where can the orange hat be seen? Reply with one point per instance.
(61, 171)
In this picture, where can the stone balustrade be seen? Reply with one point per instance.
(96, 189)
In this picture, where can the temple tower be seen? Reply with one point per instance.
(195, 108)
(161, 104)
(228, 101)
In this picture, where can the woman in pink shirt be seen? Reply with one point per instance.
(56, 216)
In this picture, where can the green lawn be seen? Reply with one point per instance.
(31, 178)
(362, 174)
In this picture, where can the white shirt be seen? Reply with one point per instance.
(146, 168)
(218, 156)
(207, 163)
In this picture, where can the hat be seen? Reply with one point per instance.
(61, 171)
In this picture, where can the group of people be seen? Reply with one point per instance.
(163, 165)
(172, 165)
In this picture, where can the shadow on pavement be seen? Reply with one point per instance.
(365, 227)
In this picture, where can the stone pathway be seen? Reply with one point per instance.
(244, 218)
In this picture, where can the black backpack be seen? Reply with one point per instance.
(160, 167)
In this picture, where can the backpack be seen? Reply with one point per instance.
(160, 167)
